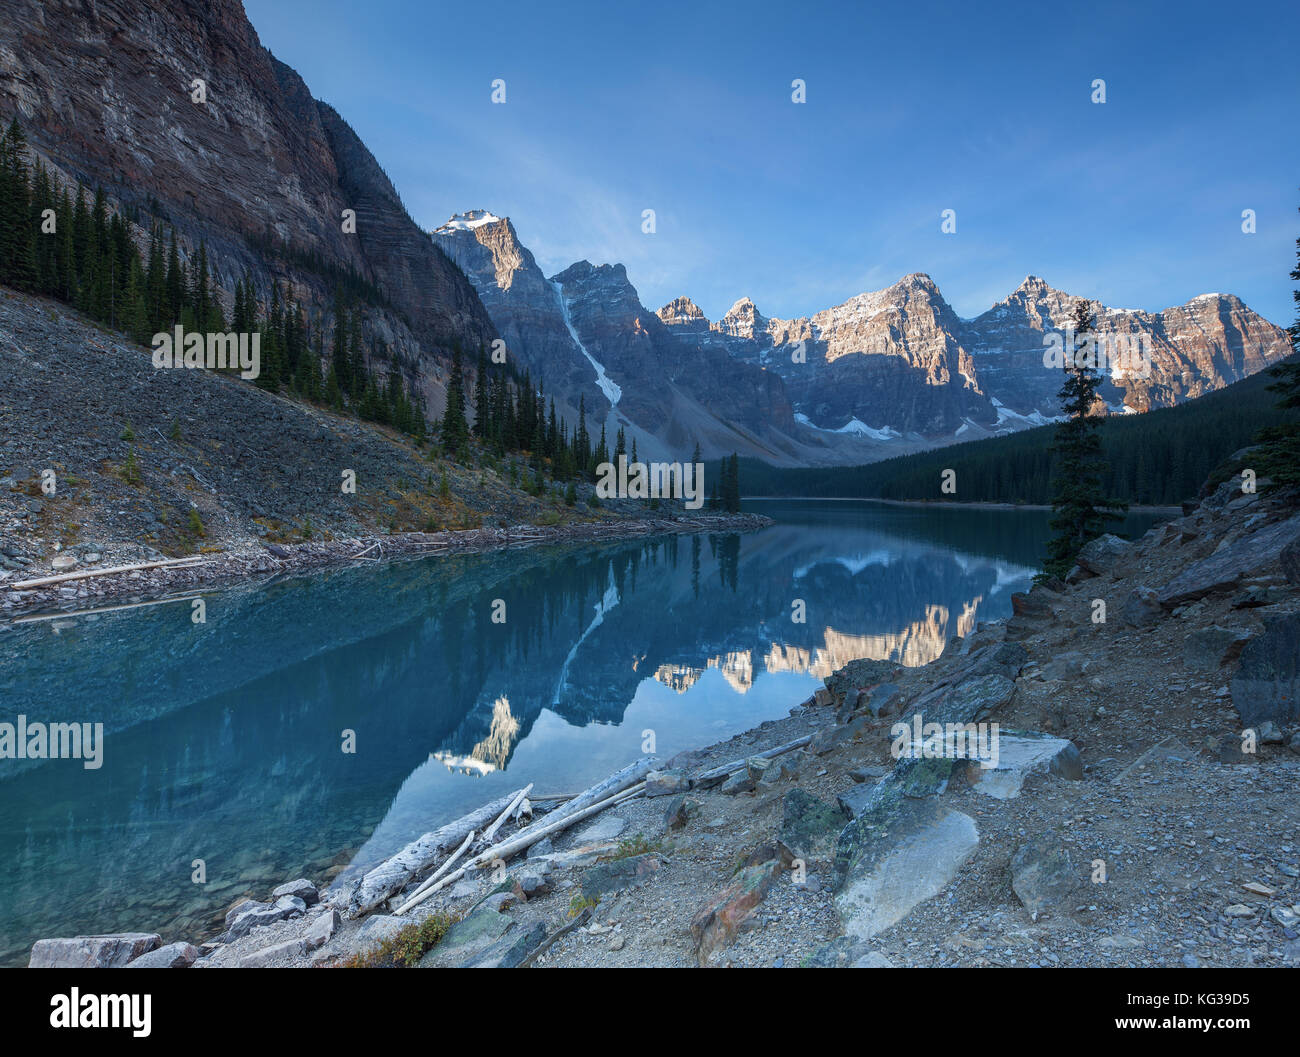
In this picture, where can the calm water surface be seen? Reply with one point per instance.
(224, 740)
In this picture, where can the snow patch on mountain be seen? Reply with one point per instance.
(607, 385)
(468, 221)
(853, 425)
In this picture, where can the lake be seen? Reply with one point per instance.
(225, 741)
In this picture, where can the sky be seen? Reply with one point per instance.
(984, 109)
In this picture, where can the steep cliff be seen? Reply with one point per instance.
(259, 171)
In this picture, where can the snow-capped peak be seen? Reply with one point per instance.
(468, 221)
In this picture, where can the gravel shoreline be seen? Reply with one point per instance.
(250, 560)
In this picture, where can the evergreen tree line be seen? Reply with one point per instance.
(512, 415)
(70, 248)
(1159, 458)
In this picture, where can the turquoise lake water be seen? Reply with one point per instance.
(224, 741)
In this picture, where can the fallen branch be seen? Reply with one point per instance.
(559, 934)
(491, 831)
(528, 838)
(393, 873)
(719, 773)
(86, 574)
(416, 896)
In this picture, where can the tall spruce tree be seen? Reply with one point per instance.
(1279, 454)
(455, 430)
(1080, 509)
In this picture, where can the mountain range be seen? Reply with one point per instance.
(261, 174)
(885, 373)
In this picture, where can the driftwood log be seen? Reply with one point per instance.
(86, 574)
(391, 874)
(718, 774)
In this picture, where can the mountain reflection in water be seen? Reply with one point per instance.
(223, 740)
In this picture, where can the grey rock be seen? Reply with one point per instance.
(291, 905)
(277, 952)
(809, 825)
(172, 956)
(1246, 556)
(322, 930)
(895, 856)
(302, 888)
(606, 827)
(885, 699)
(1267, 681)
(1042, 875)
(533, 882)
(375, 929)
(475, 933)
(1101, 555)
(1141, 609)
(859, 674)
(667, 782)
(509, 951)
(856, 800)
(109, 951)
(609, 877)
(680, 810)
(1209, 649)
(1018, 756)
(542, 848)
(740, 782)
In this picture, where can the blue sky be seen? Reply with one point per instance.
(685, 108)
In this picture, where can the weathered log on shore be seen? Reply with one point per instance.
(619, 780)
(391, 874)
(526, 839)
(718, 774)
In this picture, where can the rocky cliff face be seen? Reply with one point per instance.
(104, 92)
(898, 365)
(679, 390)
(584, 333)
(1208, 343)
(524, 305)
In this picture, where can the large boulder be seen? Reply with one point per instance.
(716, 923)
(894, 856)
(858, 674)
(1267, 682)
(1248, 555)
(92, 952)
(1018, 755)
(1209, 649)
(608, 878)
(1142, 607)
(472, 935)
(1101, 555)
(809, 825)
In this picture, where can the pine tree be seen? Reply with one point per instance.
(1279, 453)
(1080, 509)
(482, 418)
(455, 430)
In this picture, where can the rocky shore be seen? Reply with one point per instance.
(1139, 808)
(252, 560)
